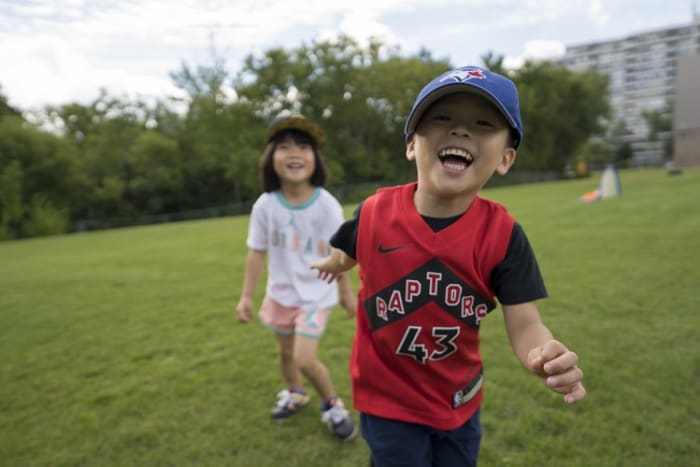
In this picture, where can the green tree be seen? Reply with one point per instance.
(42, 180)
(561, 110)
(107, 153)
(11, 208)
(220, 139)
(120, 143)
(156, 173)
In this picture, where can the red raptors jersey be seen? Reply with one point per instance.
(416, 355)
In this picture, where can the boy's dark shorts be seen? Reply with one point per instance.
(397, 444)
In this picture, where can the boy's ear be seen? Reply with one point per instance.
(507, 161)
(410, 149)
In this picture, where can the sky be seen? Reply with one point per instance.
(54, 52)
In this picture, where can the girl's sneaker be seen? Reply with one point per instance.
(289, 403)
(339, 421)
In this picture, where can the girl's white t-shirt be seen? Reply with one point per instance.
(294, 236)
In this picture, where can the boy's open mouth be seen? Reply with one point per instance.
(455, 159)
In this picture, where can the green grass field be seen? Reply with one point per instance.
(120, 348)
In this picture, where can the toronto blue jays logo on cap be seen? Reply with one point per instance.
(465, 74)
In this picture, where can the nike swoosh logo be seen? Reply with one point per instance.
(390, 249)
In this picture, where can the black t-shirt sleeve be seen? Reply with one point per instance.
(517, 279)
(345, 238)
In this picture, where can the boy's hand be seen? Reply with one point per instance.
(333, 265)
(326, 270)
(244, 310)
(557, 365)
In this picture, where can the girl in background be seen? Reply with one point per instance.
(291, 223)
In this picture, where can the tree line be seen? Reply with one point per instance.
(129, 158)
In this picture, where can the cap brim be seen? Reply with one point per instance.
(299, 123)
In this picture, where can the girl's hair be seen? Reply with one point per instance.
(269, 180)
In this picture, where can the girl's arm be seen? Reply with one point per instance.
(347, 298)
(538, 351)
(253, 267)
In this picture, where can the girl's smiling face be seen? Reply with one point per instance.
(460, 141)
(293, 161)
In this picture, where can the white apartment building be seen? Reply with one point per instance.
(642, 69)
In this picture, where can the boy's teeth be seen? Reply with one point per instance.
(456, 152)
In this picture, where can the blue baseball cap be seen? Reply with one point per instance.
(498, 89)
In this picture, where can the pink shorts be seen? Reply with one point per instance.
(293, 320)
